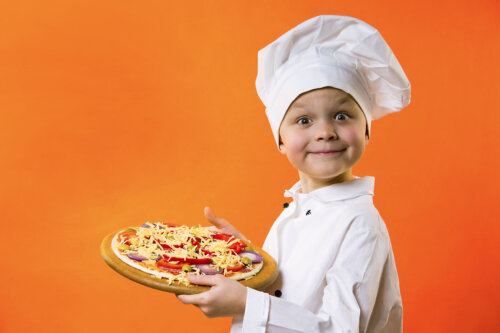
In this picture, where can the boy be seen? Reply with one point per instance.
(322, 83)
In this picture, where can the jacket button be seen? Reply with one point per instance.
(286, 204)
(277, 293)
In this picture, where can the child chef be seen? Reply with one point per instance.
(322, 83)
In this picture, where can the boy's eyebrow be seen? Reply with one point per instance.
(297, 104)
(344, 100)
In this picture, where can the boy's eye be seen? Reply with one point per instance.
(303, 121)
(341, 116)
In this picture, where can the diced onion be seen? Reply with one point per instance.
(254, 256)
(208, 269)
(136, 257)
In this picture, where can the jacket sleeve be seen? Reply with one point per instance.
(351, 286)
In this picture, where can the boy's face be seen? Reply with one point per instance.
(323, 134)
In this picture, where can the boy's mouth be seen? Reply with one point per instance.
(327, 152)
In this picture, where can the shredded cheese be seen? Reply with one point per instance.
(155, 241)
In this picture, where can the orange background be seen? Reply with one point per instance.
(114, 113)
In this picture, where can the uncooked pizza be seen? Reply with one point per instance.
(171, 252)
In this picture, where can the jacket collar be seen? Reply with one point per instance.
(341, 191)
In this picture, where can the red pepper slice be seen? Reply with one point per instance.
(209, 253)
(199, 261)
(229, 238)
(166, 264)
(167, 258)
(174, 271)
(235, 268)
(236, 247)
(224, 237)
(170, 247)
(126, 235)
(195, 241)
(170, 225)
(166, 247)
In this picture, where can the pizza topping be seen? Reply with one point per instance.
(190, 260)
(246, 261)
(179, 250)
(253, 256)
(123, 247)
(128, 234)
(235, 268)
(169, 264)
(208, 269)
(186, 268)
(222, 237)
(172, 271)
(136, 257)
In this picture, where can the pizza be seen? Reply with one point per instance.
(171, 252)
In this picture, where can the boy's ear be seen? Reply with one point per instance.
(282, 148)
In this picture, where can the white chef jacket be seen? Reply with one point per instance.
(336, 266)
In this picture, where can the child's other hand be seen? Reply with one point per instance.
(222, 225)
(226, 298)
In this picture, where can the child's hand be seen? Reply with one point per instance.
(226, 298)
(222, 225)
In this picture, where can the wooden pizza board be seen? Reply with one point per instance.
(261, 281)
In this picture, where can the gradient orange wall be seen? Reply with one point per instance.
(114, 113)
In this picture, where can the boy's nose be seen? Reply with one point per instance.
(326, 132)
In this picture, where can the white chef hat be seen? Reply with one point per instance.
(331, 51)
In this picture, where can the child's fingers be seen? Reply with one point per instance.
(221, 224)
(216, 221)
(205, 280)
(227, 297)
(190, 299)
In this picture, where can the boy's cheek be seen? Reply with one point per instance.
(296, 146)
(354, 136)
